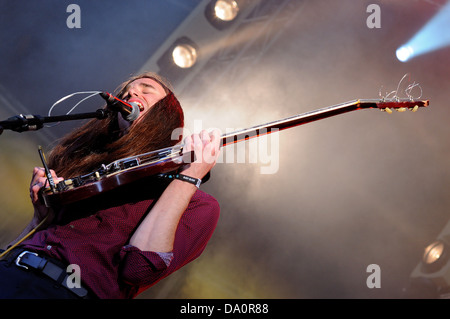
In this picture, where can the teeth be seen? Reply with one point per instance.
(141, 107)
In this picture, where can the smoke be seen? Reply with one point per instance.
(349, 191)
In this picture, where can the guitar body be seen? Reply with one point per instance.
(70, 192)
(129, 170)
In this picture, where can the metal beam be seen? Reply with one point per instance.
(198, 29)
(256, 34)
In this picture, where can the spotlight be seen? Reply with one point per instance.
(404, 53)
(226, 10)
(434, 264)
(222, 13)
(184, 55)
(433, 252)
(431, 37)
(179, 59)
(431, 276)
(435, 256)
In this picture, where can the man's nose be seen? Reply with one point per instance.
(133, 92)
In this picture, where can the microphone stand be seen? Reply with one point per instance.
(21, 123)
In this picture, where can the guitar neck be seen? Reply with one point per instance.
(295, 120)
(131, 169)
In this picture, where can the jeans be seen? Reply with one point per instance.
(20, 283)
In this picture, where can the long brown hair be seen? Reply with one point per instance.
(101, 141)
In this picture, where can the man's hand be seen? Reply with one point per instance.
(38, 181)
(206, 147)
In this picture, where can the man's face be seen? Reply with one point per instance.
(145, 92)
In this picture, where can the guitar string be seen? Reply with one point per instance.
(395, 94)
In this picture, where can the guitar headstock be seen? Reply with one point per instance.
(399, 105)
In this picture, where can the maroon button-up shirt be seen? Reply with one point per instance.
(99, 243)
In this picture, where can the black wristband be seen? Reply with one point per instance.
(184, 178)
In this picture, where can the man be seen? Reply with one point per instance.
(127, 239)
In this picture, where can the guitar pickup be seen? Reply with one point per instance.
(130, 163)
(61, 186)
(77, 181)
(66, 184)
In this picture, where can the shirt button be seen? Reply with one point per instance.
(49, 247)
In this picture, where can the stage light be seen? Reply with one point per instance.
(184, 55)
(179, 59)
(433, 254)
(431, 277)
(404, 53)
(433, 36)
(222, 13)
(226, 10)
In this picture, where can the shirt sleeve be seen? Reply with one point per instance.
(195, 228)
(142, 266)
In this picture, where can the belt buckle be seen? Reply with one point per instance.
(20, 257)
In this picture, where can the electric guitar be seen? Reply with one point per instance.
(131, 169)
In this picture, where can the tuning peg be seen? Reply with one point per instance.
(388, 110)
(415, 108)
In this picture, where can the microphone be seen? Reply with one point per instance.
(130, 111)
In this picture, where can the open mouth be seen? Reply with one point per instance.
(141, 106)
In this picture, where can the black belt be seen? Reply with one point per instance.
(43, 265)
